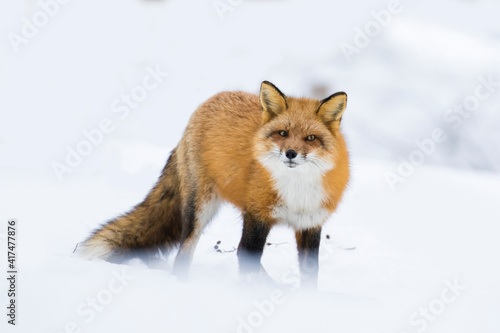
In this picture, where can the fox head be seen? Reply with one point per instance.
(296, 132)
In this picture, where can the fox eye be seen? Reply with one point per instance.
(283, 133)
(311, 138)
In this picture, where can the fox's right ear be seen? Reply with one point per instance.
(273, 101)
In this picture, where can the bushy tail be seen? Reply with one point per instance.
(154, 223)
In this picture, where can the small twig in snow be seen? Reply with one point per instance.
(216, 247)
(276, 244)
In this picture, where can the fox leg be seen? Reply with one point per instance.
(196, 215)
(308, 247)
(252, 244)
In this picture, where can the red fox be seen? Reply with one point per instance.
(278, 159)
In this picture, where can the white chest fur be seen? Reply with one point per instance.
(301, 193)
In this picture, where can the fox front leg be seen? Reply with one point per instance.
(252, 245)
(308, 247)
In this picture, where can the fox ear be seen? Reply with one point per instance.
(273, 101)
(332, 108)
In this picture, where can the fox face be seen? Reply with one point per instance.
(295, 142)
(297, 132)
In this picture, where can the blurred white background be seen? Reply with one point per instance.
(428, 57)
(417, 211)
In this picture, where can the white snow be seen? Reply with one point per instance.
(430, 243)
(406, 245)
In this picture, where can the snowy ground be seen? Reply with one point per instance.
(406, 246)
(421, 257)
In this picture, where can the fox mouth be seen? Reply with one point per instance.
(291, 164)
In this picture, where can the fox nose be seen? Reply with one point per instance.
(291, 154)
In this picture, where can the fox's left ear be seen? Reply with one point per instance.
(332, 108)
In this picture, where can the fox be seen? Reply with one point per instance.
(280, 160)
